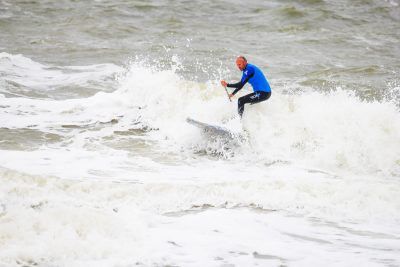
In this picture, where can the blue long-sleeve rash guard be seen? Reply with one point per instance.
(255, 77)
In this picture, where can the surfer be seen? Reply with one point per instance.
(253, 75)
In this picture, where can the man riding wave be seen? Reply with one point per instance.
(253, 75)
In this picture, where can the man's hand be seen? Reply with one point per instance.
(224, 83)
(230, 96)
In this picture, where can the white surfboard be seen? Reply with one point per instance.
(211, 129)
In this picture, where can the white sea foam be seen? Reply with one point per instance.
(96, 223)
(36, 76)
(317, 173)
(333, 131)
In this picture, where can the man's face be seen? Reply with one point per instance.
(240, 63)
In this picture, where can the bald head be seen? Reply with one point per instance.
(241, 62)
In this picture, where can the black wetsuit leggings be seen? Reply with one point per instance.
(252, 99)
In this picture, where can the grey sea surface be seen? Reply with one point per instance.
(321, 44)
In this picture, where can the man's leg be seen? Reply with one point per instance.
(251, 98)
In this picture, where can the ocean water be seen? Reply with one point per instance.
(98, 166)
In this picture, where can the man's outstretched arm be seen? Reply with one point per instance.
(239, 85)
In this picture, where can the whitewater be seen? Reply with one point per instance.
(98, 166)
(125, 167)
